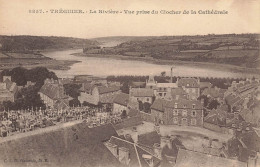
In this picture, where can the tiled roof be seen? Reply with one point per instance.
(121, 99)
(196, 159)
(135, 151)
(205, 84)
(108, 89)
(188, 82)
(232, 99)
(53, 91)
(166, 85)
(214, 92)
(216, 117)
(141, 92)
(160, 104)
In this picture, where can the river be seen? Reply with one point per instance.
(109, 66)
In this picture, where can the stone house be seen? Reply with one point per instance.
(177, 112)
(8, 90)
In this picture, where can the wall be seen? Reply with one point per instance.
(118, 109)
(146, 117)
(129, 122)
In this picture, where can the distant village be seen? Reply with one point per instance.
(188, 104)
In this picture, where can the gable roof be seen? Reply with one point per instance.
(216, 117)
(53, 91)
(141, 92)
(161, 104)
(188, 82)
(196, 159)
(108, 89)
(121, 99)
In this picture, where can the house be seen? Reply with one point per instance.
(234, 101)
(204, 85)
(191, 86)
(95, 95)
(164, 147)
(53, 95)
(90, 79)
(120, 103)
(215, 94)
(161, 90)
(141, 94)
(8, 90)
(245, 147)
(197, 159)
(177, 93)
(216, 121)
(131, 154)
(177, 112)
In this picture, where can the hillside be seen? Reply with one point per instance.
(234, 49)
(39, 43)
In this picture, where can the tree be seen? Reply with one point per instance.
(147, 107)
(163, 74)
(72, 90)
(213, 104)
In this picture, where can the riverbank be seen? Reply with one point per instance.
(32, 60)
(250, 72)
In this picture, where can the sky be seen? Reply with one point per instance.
(15, 19)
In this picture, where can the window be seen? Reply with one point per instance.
(175, 105)
(175, 112)
(137, 99)
(164, 89)
(194, 113)
(147, 99)
(175, 120)
(164, 94)
(193, 121)
(184, 113)
(193, 106)
(184, 121)
(160, 94)
(184, 106)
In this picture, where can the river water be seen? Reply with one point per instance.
(108, 66)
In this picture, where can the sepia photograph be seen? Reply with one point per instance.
(133, 83)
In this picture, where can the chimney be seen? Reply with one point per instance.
(124, 155)
(135, 135)
(157, 150)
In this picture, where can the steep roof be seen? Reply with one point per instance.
(232, 99)
(122, 99)
(108, 89)
(141, 92)
(205, 85)
(216, 117)
(53, 91)
(196, 159)
(75, 145)
(161, 104)
(214, 92)
(188, 82)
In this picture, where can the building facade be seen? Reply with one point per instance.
(177, 112)
(8, 90)
(191, 86)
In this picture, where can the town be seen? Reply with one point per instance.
(146, 121)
